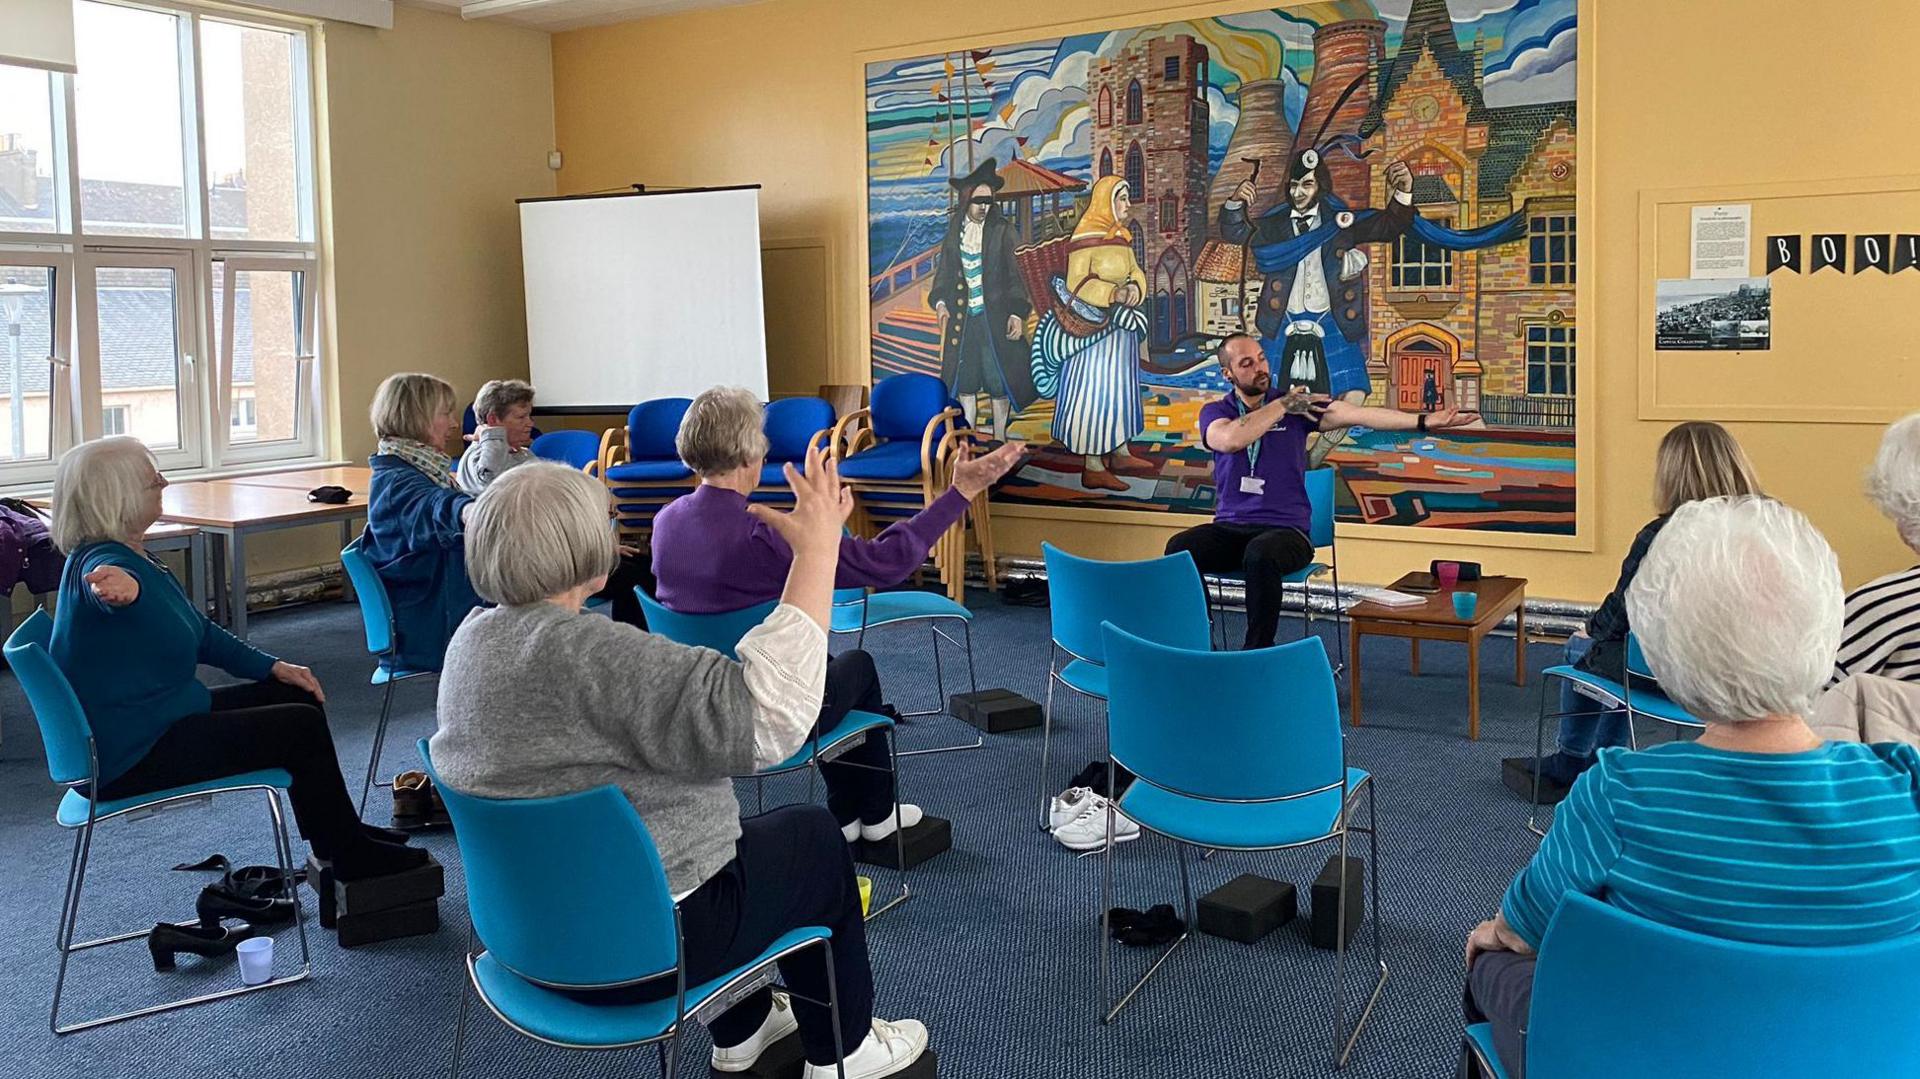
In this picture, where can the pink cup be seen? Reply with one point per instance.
(1447, 574)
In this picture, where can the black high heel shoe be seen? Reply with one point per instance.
(167, 939)
(216, 902)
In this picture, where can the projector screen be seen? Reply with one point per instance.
(634, 297)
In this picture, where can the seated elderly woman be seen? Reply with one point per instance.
(1759, 830)
(1881, 633)
(669, 725)
(416, 517)
(714, 551)
(130, 642)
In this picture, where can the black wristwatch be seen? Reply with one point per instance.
(1420, 423)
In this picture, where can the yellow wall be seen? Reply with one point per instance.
(1701, 92)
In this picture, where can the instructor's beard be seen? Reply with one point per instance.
(1260, 384)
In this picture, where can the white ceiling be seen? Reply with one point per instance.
(557, 15)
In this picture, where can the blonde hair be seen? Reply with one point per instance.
(498, 395)
(1699, 460)
(406, 403)
(537, 531)
(100, 492)
(721, 431)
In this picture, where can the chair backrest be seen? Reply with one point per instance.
(1615, 994)
(1637, 660)
(652, 427)
(576, 449)
(63, 724)
(1160, 599)
(566, 891)
(902, 405)
(376, 610)
(720, 632)
(791, 423)
(1266, 726)
(469, 422)
(1320, 499)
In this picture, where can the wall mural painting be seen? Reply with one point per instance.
(1063, 230)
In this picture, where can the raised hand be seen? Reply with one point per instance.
(973, 475)
(115, 586)
(1242, 192)
(1399, 176)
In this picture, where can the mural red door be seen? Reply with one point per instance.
(1413, 362)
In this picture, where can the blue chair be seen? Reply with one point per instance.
(792, 425)
(470, 423)
(532, 864)
(1161, 599)
(72, 763)
(383, 643)
(1240, 767)
(1607, 983)
(1320, 484)
(722, 632)
(643, 470)
(894, 455)
(1639, 696)
(575, 449)
(856, 610)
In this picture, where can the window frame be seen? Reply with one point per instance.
(1540, 271)
(1571, 345)
(76, 255)
(1399, 266)
(305, 360)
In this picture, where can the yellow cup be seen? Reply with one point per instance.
(866, 894)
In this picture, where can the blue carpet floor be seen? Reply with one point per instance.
(996, 953)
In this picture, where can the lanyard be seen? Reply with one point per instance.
(1253, 448)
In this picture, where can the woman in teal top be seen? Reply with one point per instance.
(129, 641)
(1758, 831)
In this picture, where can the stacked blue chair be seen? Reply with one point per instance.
(575, 449)
(722, 633)
(1161, 599)
(1320, 483)
(792, 426)
(857, 610)
(895, 455)
(73, 764)
(643, 470)
(1617, 995)
(539, 874)
(1241, 767)
(383, 643)
(1640, 696)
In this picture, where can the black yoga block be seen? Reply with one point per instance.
(784, 1059)
(1246, 908)
(412, 920)
(1326, 900)
(338, 898)
(996, 710)
(933, 835)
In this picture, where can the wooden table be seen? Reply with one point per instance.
(1434, 620)
(232, 510)
(355, 478)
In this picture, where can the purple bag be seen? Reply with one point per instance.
(27, 553)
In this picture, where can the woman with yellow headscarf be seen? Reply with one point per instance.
(1086, 350)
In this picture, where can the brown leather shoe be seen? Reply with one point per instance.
(412, 800)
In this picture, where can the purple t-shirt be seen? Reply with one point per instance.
(1280, 471)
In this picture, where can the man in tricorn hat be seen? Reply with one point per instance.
(983, 304)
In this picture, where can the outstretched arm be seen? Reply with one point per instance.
(1340, 413)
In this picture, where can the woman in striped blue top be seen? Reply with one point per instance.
(1758, 831)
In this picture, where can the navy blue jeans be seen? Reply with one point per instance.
(1583, 735)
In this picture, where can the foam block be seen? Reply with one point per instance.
(932, 836)
(1246, 908)
(1326, 900)
(996, 710)
(785, 1060)
(338, 897)
(411, 920)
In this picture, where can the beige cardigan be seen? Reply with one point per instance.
(1868, 708)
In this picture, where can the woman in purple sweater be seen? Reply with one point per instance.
(714, 551)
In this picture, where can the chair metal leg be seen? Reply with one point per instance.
(899, 833)
(940, 686)
(69, 917)
(1340, 641)
(833, 1013)
(1343, 1049)
(379, 742)
(1106, 937)
(1539, 748)
(1046, 738)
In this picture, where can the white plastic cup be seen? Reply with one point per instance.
(256, 959)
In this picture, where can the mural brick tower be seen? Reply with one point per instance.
(1343, 52)
(1151, 119)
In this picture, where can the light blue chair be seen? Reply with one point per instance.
(1255, 763)
(1607, 989)
(585, 863)
(856, 610)
(575, 449)
(1320, 482)
(72, 763)
(1639, 696)
(383, 643)
(1161, 599)
(722, 632)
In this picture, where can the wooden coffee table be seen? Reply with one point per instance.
(1434, 620)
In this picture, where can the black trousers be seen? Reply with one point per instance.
(1500, 992)
(863, 793)
(252, 726)
(634, 571)
(790, 868)
(1263, 554)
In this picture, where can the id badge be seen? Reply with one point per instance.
(1253, 485)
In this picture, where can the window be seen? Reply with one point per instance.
(157, 242)
(1136, 109)
(1172, 72)
(1169, 213)
(1136, 174)
(1550, 249)
(1106, 107)
(1106, 163)
(1549, 359)
(1418, 264)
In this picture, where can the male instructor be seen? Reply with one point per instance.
(1258, 437)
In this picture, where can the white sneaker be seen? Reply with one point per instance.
(890, 1049)
(910, 815)
(1080, 818)
(779, 1023)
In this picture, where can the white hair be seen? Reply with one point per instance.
(722, 431)
(100, 492)
(537, 531)
(1893, 483)
(1738, 608)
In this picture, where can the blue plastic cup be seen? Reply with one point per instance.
(1464, 604)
